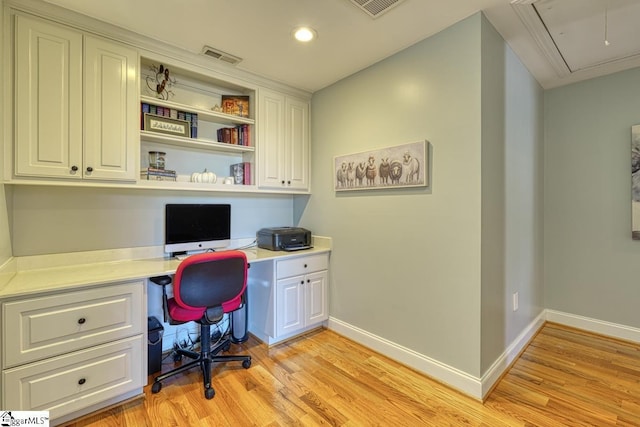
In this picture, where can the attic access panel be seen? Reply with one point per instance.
(572, 33)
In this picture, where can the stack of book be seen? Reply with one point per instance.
(153, 174)
(239, 135)
(241, 173)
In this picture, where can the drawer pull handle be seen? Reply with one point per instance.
(81, 321)
(81, 381)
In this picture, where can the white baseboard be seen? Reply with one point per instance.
(500, 366)
(468, 384)
(452, 377)
(614, 330)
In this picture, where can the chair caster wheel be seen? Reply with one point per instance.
(156, 387)
(246, 363)
(209, 393)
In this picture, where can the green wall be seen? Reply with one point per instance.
(592, 266)
(428, 269)
(512, 184)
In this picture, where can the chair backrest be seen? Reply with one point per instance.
(211, 279)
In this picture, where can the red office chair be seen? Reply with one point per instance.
(205, 287)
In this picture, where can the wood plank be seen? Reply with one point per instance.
(564, 377)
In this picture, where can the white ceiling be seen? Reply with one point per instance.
(349, 40)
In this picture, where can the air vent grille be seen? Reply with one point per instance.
(220, 55)
(375, 8)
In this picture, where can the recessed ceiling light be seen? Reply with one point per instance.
(304, 34)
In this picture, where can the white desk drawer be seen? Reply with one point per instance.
(37, 328)
(69, 383)
(302, 265)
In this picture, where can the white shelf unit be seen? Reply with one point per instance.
(197, 93)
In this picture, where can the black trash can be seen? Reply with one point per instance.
(154, 338)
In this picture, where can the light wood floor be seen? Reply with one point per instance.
(564, 378)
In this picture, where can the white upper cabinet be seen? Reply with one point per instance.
(111, 110)
(84, 109)
(76, 110)
(283, 149)
(48, 101)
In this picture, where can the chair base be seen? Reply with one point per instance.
(205, 360)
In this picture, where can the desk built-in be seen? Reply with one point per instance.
(73, 328)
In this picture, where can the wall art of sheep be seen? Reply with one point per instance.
(391, 167)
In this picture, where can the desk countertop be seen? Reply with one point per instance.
(51, 273)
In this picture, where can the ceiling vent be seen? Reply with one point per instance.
(375, 8)
(220, 55)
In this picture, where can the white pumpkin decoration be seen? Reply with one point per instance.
(204, 176)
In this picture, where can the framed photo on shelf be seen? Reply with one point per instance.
(167, 125)
(235, 105)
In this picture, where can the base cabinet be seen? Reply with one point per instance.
(300, 302)
(288, 297)
(70, 383)
(71, 352)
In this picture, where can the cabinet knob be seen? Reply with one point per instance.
(81, 321)
(305, 266)
(89, 169)
(308, 280)
(288, 182)
(74, 168)
(302, 282)
(283, 182)
(81, 381)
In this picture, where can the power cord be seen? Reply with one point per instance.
(250, 245)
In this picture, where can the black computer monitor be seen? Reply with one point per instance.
(196, 227)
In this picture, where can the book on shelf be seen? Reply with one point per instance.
(153, 174)
(238, 135)
(194, 125)
(235, 105)
(241, 173)
(145, 108)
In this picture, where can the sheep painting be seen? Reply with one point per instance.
(391, 167)
(413, 166)
(395, 171)
(341, 175)
(384, 171)
(370, 171)
(360, 171)
(351, 175)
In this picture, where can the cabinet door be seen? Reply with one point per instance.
(316, 297)
(111, 111)
(296, 162)
(289, 305)
(271, 139)
(75, 381)
(48, 104)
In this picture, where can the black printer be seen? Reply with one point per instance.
(284, 238)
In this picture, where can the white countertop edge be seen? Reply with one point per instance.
(23, 276)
